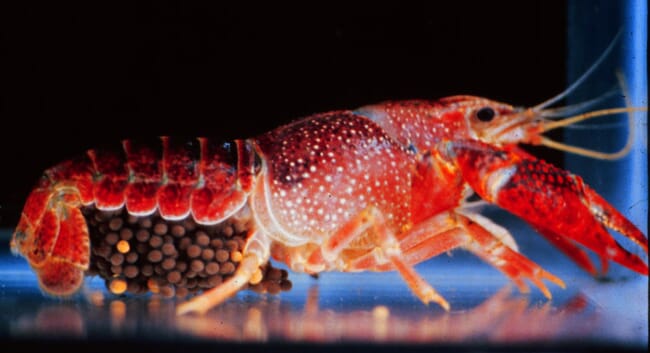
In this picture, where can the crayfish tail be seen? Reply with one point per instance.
(53, 236)
(60, 278)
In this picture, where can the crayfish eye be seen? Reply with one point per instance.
(485, 114)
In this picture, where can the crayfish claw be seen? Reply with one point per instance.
(555, 202)
(573, 251)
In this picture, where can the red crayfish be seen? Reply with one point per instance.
(380, 188)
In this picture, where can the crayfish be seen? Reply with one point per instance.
(379, 188)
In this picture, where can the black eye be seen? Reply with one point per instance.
(485, 114)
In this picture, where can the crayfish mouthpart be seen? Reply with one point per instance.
(141, 254)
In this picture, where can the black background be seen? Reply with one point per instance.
(75, 77)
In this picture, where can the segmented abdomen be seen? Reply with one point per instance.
(173, 175)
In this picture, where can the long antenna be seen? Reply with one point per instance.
(583, 77)
(561, 112)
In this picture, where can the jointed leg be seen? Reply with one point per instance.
(255, 254)
(424, 241)
(473, 232)
(370, 226)
(429, 247)
(514, 265)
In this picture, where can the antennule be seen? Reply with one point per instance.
(590, 115)
(584, 151)
(582, 117)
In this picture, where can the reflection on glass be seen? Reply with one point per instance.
(503, 317)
